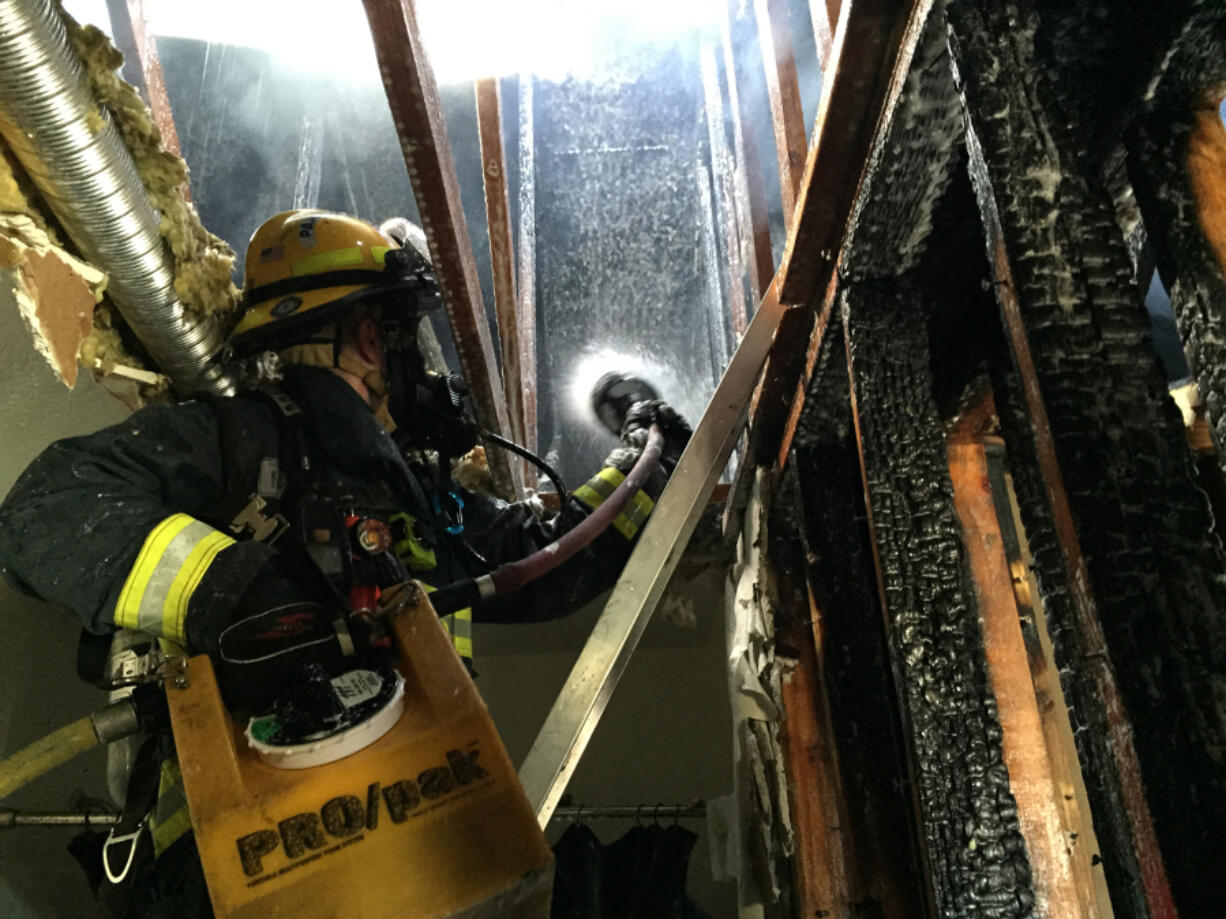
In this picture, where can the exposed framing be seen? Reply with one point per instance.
(143, 69)
(502, 263)
(413, 98)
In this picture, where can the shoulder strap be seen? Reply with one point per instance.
(285, 469)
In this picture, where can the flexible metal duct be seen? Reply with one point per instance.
(90, 182)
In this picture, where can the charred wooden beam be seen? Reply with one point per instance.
(783, 88)
(1046, 677)
(974, 852)
(502, 257)
(1031, 777)
(417, 113)
(862, 84)
(1100, 729)
(1127, 531)
(877, 829)
(915, 152)
(1177, 163)
(817, 345)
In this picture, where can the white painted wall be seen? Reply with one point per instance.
(39, 690)
(666, 736)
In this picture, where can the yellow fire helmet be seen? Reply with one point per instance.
(306, 267)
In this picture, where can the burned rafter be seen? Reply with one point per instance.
(783, 89)
(877, 837)
(515, 382)
(974, 853)
(1177, 163)
(909, 167)
(417, 113)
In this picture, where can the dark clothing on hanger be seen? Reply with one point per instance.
(640, 876)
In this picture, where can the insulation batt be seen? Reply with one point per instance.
(17, 193)
(976, 854)
(203, 262)
(1156, 570)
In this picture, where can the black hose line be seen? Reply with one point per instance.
(550, 472)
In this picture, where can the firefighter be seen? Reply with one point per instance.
(238, 527)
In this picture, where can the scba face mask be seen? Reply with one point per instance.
(428, 408)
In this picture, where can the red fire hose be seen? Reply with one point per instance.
(514, 575)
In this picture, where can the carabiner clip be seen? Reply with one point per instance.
(132, 839)
(456, 528)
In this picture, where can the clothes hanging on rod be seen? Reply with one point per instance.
(639, 812)
(640, 876)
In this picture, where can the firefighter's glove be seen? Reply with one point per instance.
(639, 419)
(277, 629)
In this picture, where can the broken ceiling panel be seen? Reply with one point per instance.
(55, 292)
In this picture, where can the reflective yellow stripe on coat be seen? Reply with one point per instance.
(598, 489)
(176, 554)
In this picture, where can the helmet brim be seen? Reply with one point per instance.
(279, 322)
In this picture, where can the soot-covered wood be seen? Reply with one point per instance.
(1156, 571)
(1160, 143)
(975, 854)
(884, 872)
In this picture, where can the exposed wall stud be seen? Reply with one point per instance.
(417, 113)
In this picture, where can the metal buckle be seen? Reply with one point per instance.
(111, 839)
(129, 668)
(252, 520)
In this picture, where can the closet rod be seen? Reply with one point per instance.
(641, 812)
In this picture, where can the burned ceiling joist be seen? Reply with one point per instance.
(1128, 562)
(413, 98)
(1153, 562)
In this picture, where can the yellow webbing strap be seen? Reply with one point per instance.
(176, 554)
(459, 626)
(597, 490)
(170, 818)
